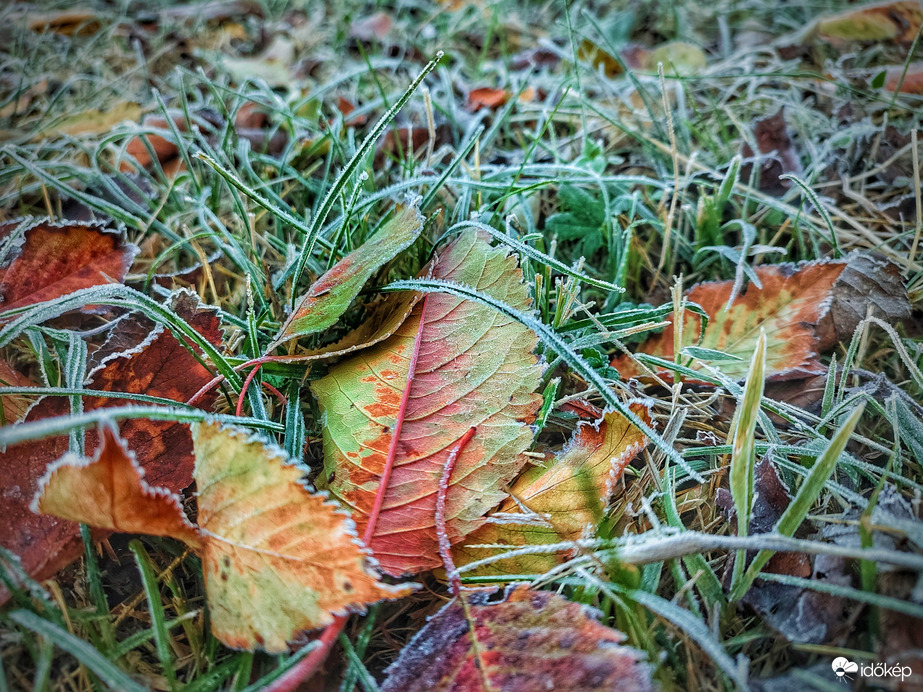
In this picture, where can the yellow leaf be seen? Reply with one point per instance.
(564, 501)
(279, 558)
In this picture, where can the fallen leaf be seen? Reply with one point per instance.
(487, 97)
(93, 121)
(164, 149)
(798, 613)
(108, 491)
(273, 65)
(346, 107)
(56, 259)
(888, 21)
(775, 143)
(562, 501)
(71, 22)
(410, 140)
(279, 558)
(331, 294)
(14, 406)
(527, 641)
(157, 364)
(373, 27)
(793, 305)
(677, 57)
(869, 283)
(910, 82)
(470, 367)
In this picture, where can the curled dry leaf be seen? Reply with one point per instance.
(56, 259)
(888, 21)
(155, 363)
(563, 501)
(909, 82)
(407, 401)
(528, 641)
(331, 294)
(108, 491)
(278, 558)
(804, 309)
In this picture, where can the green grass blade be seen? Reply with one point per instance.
(743, 458)
(79, 649)
(155, 607)
(317, 222)
(810, 490)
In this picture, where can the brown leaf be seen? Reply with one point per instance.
(910, 82)
(57, 259)
(798, 613)
(346, 107)
(71, 22)
(160, 365)
(773, 140)
(409, 140)
(529, 641)
(14, 406)
(868, 282)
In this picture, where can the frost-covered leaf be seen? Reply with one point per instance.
(279, 558)
(14, 406)
(562, 501)
(804, 309)
(453, 364)
(332, 293)
(56, 259)
(138, 358)
(527, 641)
(108, 491)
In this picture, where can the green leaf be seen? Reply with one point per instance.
(331, 294)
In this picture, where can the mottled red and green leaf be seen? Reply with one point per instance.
(474, 367)
(331, 294)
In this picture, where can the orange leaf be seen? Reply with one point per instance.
(792, 301)
(529, 640)
(109, 492)
(57, 259)
(487, 97)
(404, 403)
(562, 501)
(277, 558)
(912, 81)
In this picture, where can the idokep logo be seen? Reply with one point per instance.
(842, 666)
(847, 670)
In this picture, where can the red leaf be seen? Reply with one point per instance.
(57, 259)
(158, 366)
(528, 641)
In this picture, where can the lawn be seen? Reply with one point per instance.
(471, 346)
